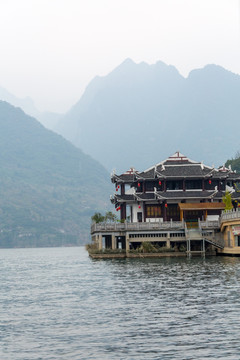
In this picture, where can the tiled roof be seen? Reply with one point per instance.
(236, 195)
(148, 175)
(185, 194)
(176, 166)
(234, 176)
(184, 171)
(173, 195)
(125, 197)
(146, 196)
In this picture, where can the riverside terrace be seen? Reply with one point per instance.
(174, 204)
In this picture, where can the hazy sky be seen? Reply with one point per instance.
(51, 49)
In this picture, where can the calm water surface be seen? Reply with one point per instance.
(59, 304)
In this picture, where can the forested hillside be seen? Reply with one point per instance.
(48, 188)
(235, 162)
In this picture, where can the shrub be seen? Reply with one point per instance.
(148, 247)
(93, 249)
(182, 248)
(165, 249)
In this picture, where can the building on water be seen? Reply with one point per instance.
(177, 202)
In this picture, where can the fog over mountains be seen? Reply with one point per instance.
(136, 116)
(139, 114)
(47, 118)
(49, 188)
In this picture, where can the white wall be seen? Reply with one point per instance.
(135, 210)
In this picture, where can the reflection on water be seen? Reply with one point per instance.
(60, 304)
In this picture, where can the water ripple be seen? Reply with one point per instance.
(59, 304)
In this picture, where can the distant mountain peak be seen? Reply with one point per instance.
(139, 109)
(47, 118)
(127, 61)
(211, 70)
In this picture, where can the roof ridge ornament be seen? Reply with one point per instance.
(159, 175)
(130, 171)
(136, 196)
(158, 196)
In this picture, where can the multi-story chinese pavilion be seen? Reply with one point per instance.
(177, 188)
(175, 201)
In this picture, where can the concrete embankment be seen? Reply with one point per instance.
(140, 255)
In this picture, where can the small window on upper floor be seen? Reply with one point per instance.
(174, 185)
(193, 184)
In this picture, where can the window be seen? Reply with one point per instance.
(150, 185)
(210, 184)
(193, 184)
(139, 186)
(174, 185)
(153, 211)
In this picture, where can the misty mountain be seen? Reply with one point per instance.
(139, 114)
(47, 118)
(48, 188)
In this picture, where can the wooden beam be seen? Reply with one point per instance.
(181, 215)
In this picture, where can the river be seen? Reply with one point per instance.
(57, 303)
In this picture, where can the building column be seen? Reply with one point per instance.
(168, 244)
(113, 242)
(144, 212)
(164, 185)
(164, 212)
(127, 242)
(123, 211)
(181, 215)
(100, 242)
(225, 184)
(189, 247)
(122, 189)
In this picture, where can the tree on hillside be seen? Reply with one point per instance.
(235, 163)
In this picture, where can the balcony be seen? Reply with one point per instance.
(136, 226)
(230, 215)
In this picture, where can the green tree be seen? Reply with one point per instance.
(109, 216)
(98, 217)
(227, 200)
